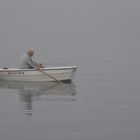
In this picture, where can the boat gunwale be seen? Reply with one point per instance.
(46, 68)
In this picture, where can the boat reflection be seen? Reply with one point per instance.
(30, 92)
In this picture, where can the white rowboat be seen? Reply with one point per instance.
(59, 73)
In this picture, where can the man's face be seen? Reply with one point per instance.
(31, 53)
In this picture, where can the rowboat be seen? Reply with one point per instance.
(59, 73)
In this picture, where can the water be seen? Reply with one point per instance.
(102, 39)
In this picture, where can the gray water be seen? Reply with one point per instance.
(102, 38)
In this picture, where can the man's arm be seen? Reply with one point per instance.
(30, 63)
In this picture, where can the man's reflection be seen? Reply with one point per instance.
(26, 99)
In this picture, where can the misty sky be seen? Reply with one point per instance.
(86, 30)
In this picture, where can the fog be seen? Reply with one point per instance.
(102, 38)
(59, 30)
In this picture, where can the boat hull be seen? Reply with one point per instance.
(59, 73)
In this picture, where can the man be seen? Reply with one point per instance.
(26, 61)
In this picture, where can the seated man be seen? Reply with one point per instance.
(26, 61)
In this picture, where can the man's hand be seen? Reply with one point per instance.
(39, 66)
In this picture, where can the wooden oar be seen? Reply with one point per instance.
(48, 75)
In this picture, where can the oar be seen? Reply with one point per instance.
(48, 75)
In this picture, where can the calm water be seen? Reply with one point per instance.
(102, 105)
(102, 39)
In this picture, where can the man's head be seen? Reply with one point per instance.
(30, 52)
